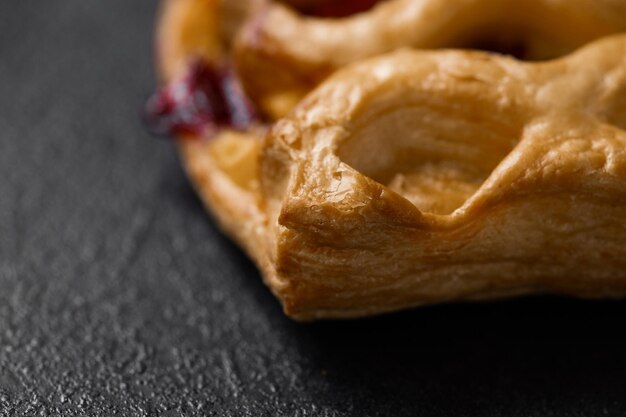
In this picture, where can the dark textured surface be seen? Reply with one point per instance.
(119, 296)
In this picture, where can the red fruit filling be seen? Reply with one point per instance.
(336, 8)
(207, 99)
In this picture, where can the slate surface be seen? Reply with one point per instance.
(118, 296)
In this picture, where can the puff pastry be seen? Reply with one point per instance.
(419, 177)
(282, 54)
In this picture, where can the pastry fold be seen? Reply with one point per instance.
(281, 54)
(429, 176)
(419, 176)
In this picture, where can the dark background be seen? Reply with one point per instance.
(118, 295)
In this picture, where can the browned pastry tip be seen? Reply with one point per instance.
(191, 29)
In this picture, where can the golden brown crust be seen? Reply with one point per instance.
(222, 170)
(545, 217)
(422, 177)
(282, 52)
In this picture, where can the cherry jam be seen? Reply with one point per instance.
(205, 100)
(336, 8)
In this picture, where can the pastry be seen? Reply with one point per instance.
(415, 177)
(422, 177)
(282, 53)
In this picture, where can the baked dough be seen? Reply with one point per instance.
(281, 54)
(426, 176)
(423, 177)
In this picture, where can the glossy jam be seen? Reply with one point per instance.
(336, 8)
(204, 101)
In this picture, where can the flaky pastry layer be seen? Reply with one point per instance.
(282, 54)
(425, 176)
